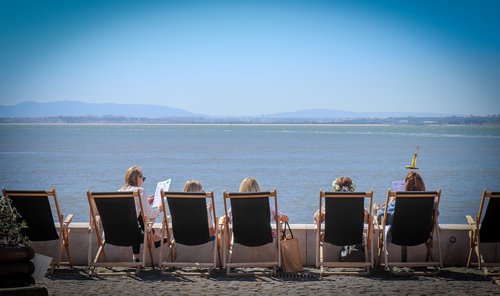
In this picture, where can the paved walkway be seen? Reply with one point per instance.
(456, 281)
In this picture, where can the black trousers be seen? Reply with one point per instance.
(136, 249)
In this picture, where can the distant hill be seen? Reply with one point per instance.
(80, 109)
(337, 114)
(72, 108)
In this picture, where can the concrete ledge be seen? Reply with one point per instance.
(454, 240)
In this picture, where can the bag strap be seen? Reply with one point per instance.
(283, 232)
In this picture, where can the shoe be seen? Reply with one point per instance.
(158, 243)
(136, 259)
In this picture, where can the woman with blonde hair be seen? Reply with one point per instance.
(134, 181)
(249, 184)
(195, 186)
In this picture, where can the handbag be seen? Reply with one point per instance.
(290, 251)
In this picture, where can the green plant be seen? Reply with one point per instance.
(11, 226)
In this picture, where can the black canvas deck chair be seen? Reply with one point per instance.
(113, 218)
(414, 222)
(344, 226)
(189, 217)
(251, 227)
(485, 228)
(34, 207)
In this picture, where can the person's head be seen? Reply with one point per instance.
(193, 186)
(414, 182)
(249, 184)
(343, 184)
(134, 177)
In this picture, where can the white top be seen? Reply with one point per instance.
(150, 213)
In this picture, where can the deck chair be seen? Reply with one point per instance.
(344, 225)
(251, 227)
(415, 222)
(188, 212)
(34, 207)
(113, 219)
(485, 228)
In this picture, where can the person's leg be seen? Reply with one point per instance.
(136, 249)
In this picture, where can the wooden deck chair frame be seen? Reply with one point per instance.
(368, 239)
(64, 223)
(171, 243)
(475, 241)
(435, 195)
(96, 226)
(228, 237)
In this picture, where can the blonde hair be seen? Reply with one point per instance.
(414, 182)
(193, 186)
(249, 184)
(131, 176)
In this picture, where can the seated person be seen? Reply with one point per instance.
(341, 184)
(413, 182)
(249, 184)
(134, 181)
(195, 186)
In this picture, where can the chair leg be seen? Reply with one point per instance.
(472, 246)
(439, 248)
(318, 238)
(384, 249)
(150, 249)
(469, 258)
(480, 259)
(371, 254)
(365, 247)
(66, 246)
(60, 247)
(215, 251)
(100, 252)
(89, 251)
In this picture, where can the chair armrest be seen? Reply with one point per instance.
(471, 222)
(68, 220)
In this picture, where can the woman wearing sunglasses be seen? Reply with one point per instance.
(134, 181)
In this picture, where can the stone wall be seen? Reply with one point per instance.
(454, 241)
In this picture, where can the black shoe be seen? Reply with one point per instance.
(158, 243)
(136, 260)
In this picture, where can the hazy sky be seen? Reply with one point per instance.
(255, 57)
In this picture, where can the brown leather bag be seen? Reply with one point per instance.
(290, 251)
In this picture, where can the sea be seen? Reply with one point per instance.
(296, 160)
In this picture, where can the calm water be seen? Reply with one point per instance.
(297, 160)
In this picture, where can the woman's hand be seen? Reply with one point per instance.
(151, 198)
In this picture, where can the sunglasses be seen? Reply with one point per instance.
(143, 178)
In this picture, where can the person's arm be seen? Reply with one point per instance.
(211, 227)
(282, 216)
(320, 216)
(148, 211)
(380, 214)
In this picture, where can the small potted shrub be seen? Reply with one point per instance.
(15, 251)
(11, 226)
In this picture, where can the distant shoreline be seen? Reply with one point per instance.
(198, 124)
(493, 120)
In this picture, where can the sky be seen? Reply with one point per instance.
(255, 57)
